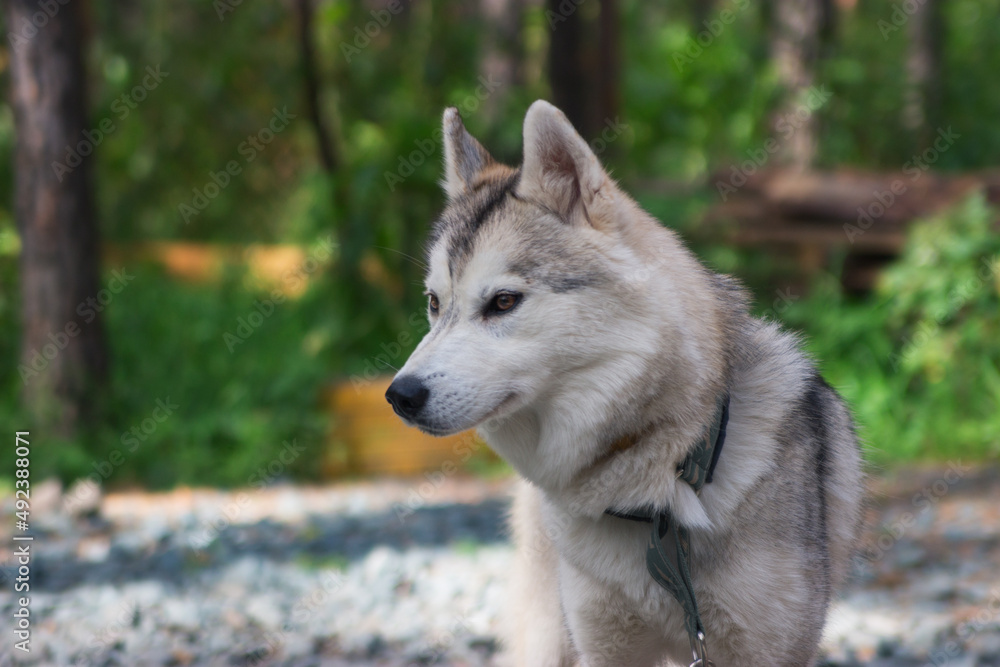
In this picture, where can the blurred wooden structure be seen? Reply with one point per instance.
(284, 267)
(370, 439)
(811, 213)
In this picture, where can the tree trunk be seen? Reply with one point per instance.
(829, 28)
(567, 69)
(328, 157)
(608, 63)
(585, 80)
(923, 72)
(702, 11)
(794, 46)
(502, 58)
(63, 351)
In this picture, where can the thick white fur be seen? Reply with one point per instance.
(550, 386)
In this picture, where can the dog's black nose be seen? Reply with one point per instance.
(407, 396)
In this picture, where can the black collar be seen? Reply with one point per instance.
(698, 466)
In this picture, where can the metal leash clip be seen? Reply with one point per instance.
(700, 653)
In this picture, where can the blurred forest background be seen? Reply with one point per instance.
(257, 177)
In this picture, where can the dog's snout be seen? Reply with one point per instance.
(407, 396)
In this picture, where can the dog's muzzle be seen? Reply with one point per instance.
(407, 395)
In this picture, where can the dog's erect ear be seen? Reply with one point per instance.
(464, 157)
(560, 171)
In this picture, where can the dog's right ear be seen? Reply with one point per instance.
(464, 157)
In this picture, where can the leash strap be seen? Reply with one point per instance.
(669, 544)
(667, 562)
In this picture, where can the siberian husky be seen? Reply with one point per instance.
(631, 389)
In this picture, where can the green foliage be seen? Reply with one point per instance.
(920, 360)
(917, 359)
(180, 407)
(237, 408)
(698, 100)
(866, 72)
(943, 311)
(692, 107)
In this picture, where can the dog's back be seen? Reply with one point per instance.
(790, 537)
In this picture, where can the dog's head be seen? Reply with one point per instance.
(528, 281)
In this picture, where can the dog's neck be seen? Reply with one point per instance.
(656, 458)
(698, 466)
(625, 442)
(703, 454)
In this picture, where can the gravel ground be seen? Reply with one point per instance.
(343, 575)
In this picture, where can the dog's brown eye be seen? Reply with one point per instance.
(504, 301)
(432, 303)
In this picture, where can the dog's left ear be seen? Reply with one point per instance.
(560, 170)
(464, 157)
